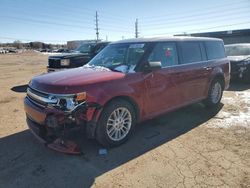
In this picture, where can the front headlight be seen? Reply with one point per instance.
(65, 62)
(69, 102)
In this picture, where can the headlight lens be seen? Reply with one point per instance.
(68, 103)
(65, 62)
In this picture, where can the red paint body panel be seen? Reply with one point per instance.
(73, 80)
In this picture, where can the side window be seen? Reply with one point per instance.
(191, 52)
(134, 54)
(166, 53)
(215, 50)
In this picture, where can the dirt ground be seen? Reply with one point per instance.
(191, 147)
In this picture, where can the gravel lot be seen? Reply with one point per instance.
(191, 147)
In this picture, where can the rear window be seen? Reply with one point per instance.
(215, 50)
(191, 52)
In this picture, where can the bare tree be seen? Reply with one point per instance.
(18, 44)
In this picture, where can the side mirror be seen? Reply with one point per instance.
(152, 65)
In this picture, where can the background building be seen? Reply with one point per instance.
(229, 37)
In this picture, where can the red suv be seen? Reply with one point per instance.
(128, 82)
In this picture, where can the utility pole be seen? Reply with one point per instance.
(96, 26)
(136, 28)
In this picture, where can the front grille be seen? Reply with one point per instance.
(37, 97)
(54, 63)
(234, 66)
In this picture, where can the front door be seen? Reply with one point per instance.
(162, 87)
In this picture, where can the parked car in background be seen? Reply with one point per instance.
(8, 50)
(46, 50)
(76, 58)
(127, 82)
(3, 51)
(12, 50)
(62, 50)
(239, 56)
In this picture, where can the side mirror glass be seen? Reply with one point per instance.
(152, 65)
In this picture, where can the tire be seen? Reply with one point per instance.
(116, 123)
(215, 93)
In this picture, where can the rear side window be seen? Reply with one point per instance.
(215, 50)
(191, 52)
(166, 53)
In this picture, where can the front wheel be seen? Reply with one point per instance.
(116, 123)
(215, 93)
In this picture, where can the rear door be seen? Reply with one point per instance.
(194, 72)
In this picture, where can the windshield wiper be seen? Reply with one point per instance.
(115, 70)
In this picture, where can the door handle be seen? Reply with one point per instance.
(207, 68)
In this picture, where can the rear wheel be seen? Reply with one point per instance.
(116, 123)
(215, 93)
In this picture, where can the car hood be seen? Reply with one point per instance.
(238, 58)
(73, 80)
(69, 55)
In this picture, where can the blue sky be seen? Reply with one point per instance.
(57, 21)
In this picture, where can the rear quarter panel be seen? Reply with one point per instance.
(220, 67)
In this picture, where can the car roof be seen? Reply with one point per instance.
(163, 39)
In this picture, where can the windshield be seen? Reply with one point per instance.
(85, 48)
(119, 57)
(237, 50)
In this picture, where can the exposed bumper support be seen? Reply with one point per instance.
(53, 135)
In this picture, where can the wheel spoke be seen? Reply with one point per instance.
(119, 133)
(111, 129)
(116, 134)
(115, 115)
(124, 114)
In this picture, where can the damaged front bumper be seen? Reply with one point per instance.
(240, 71)
(50, 125)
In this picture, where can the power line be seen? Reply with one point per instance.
(70, 19)
(194, 16)
(45, 22)
(81, 10)
(56, 23)
(194, 22)
(207, 28)
(199, 10)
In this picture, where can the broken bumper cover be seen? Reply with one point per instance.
(37, 119)
(63, 146)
